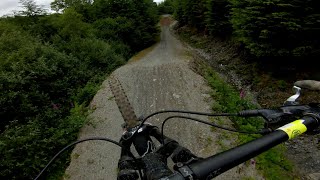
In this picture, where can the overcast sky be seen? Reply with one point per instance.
(7, 6)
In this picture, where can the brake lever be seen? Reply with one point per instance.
(292, 100)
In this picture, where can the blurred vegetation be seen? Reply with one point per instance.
(166, 7)
(51, 66)
(272, 28)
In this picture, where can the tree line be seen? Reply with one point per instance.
(272, 28)
(51, 65)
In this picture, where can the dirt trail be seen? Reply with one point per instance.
(160, 80)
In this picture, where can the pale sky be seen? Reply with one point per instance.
(8, 6)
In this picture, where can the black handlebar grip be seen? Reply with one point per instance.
(155, 166)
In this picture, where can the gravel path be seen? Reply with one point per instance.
(159, 80)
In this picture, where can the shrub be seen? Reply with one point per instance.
(115, 29)
(39, 86)
(217, 17)
(276, 27)
(33, 76)
(50, 68)
(26, 149)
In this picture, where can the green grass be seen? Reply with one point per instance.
(272, 163)
(248, 178)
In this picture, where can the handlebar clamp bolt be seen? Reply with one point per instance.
(179, 164)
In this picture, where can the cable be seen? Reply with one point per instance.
(204, 122)
(180, 111)
(80, 141)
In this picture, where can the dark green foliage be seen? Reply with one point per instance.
(70, 25)
(102, 9)
(95, 55)
(81, 6)
(197, 11)
(280, 28)
(51, 66)
(115, 29)
(134, 21)
(217, 17)
(206, 15)
(269, 28)
(166, 7)
(25, 149)
(145, 32)
(27, 71)
(192, 13)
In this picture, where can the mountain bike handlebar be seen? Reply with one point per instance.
(153, 161)
(188, 166)
(217, 164)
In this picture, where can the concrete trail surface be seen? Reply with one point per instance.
(160, 80)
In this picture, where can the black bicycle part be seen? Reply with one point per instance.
(154, 163)
(219, 163)
(146, 131)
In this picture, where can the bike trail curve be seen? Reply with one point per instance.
(159, 79)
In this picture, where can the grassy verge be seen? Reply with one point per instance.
(272, 163)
